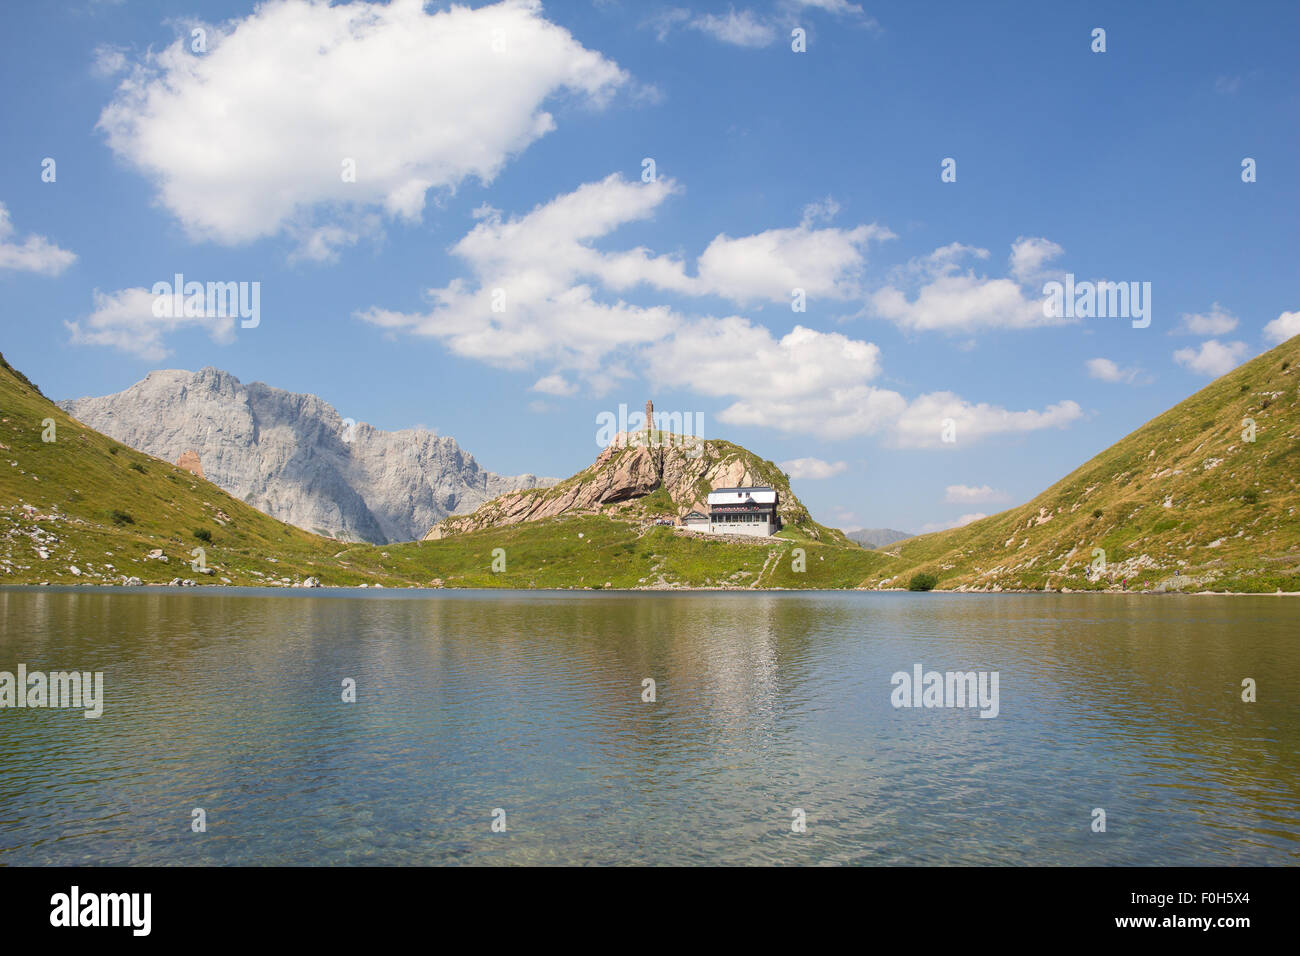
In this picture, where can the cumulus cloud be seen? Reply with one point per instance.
(818, 383)
(813, 468)
(534, 293)
(528, 300)
(1029, 256)
(970, 495)
(250, 139)
(1283, 327)
(806, 381)
(1107, 370)
(1213, 358)
(33, 254)
(125, 320)
(768, 266)
(951, 300)
(543, 289)
(1218, 321)
(926, 418)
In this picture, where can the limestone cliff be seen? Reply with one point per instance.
(295, 458)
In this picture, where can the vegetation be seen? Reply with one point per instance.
(1187, 502)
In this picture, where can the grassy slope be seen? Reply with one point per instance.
(1182, 501)
(85, 486)
(1231, 523)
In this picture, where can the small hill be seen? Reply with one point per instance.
(1203, 497)
(643, 478)
(875, 538)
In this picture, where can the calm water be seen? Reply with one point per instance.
(531, 702)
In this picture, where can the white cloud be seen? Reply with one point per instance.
(922, 425)
(768, 266)
(970, 495)
(35, 254)
(528, 301)
(108, 61)
(954, 301)
(813, 468)
(1213, 358)
(1283, 327)
(1218, 321)
(1107, 370)
(544, 275)
(955, 523)
(823, 210)
(739, 29)
(806, 381)
(125, 320)
(812, 382)
(554, 385)
(537, 289)
(249, 139)
(1028, 256)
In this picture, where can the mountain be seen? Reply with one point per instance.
(77, 507)
(875, 538)
(664, 477)
(295, 458)
(1202, 497)
(81, 508)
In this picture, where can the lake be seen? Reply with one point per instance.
(770, 709)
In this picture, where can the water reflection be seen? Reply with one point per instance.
(230, 701)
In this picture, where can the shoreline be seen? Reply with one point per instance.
(352, 588)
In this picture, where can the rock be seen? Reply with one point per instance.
(156, 555)
(311, 583)
(75, 570)
(132, 582)
(189, 460)
(293, 457)
(626, 470)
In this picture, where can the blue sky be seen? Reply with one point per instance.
(501, 147)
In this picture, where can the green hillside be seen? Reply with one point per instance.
(1186, 502)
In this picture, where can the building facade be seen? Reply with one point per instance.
(751, 511)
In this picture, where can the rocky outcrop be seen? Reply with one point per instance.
(189, 460)
(630, 470)
(295, 458)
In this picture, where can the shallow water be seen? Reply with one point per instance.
(531, 702)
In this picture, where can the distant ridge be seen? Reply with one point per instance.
(876, 538)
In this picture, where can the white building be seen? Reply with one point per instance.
(743, 511)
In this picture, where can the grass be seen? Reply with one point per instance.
(1186, 502)
(1186, 498)
(91, 503)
